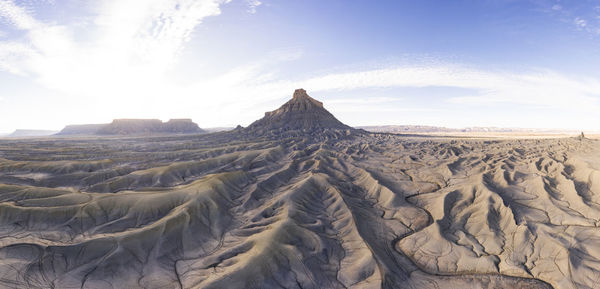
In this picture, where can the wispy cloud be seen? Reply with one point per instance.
(534, 87)
(17, 16)
(580, 23)
(133, 43)
(578, 14)
(252, 5)
(13, 57)
(126, 65)
(152, 31)
(261, 91)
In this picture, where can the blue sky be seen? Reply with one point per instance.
(506, 63)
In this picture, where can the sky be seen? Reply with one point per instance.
(462, 63)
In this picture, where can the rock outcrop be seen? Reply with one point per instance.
(180, 125)
(131, 126)
(134, 127)
(299, 116)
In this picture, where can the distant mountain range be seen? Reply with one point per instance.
(437, 129)
(299, 115)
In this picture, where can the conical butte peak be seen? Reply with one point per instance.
(302, 113)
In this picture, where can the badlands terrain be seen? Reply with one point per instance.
(299, 200)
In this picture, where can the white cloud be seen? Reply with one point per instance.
(13, 57)
(17, 16)
(252, 4)
(584, 15)
(123, 71)
(249, 91)
(132, 46)
(580, 23)
(156, 32)
(536, 87)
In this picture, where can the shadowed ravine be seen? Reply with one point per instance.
(345, 209)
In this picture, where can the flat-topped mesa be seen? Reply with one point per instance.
(180, 125)
(131, 126)
(135, 127)
(300, 115)
(149, 126)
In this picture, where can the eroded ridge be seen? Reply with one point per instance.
(345, 211)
